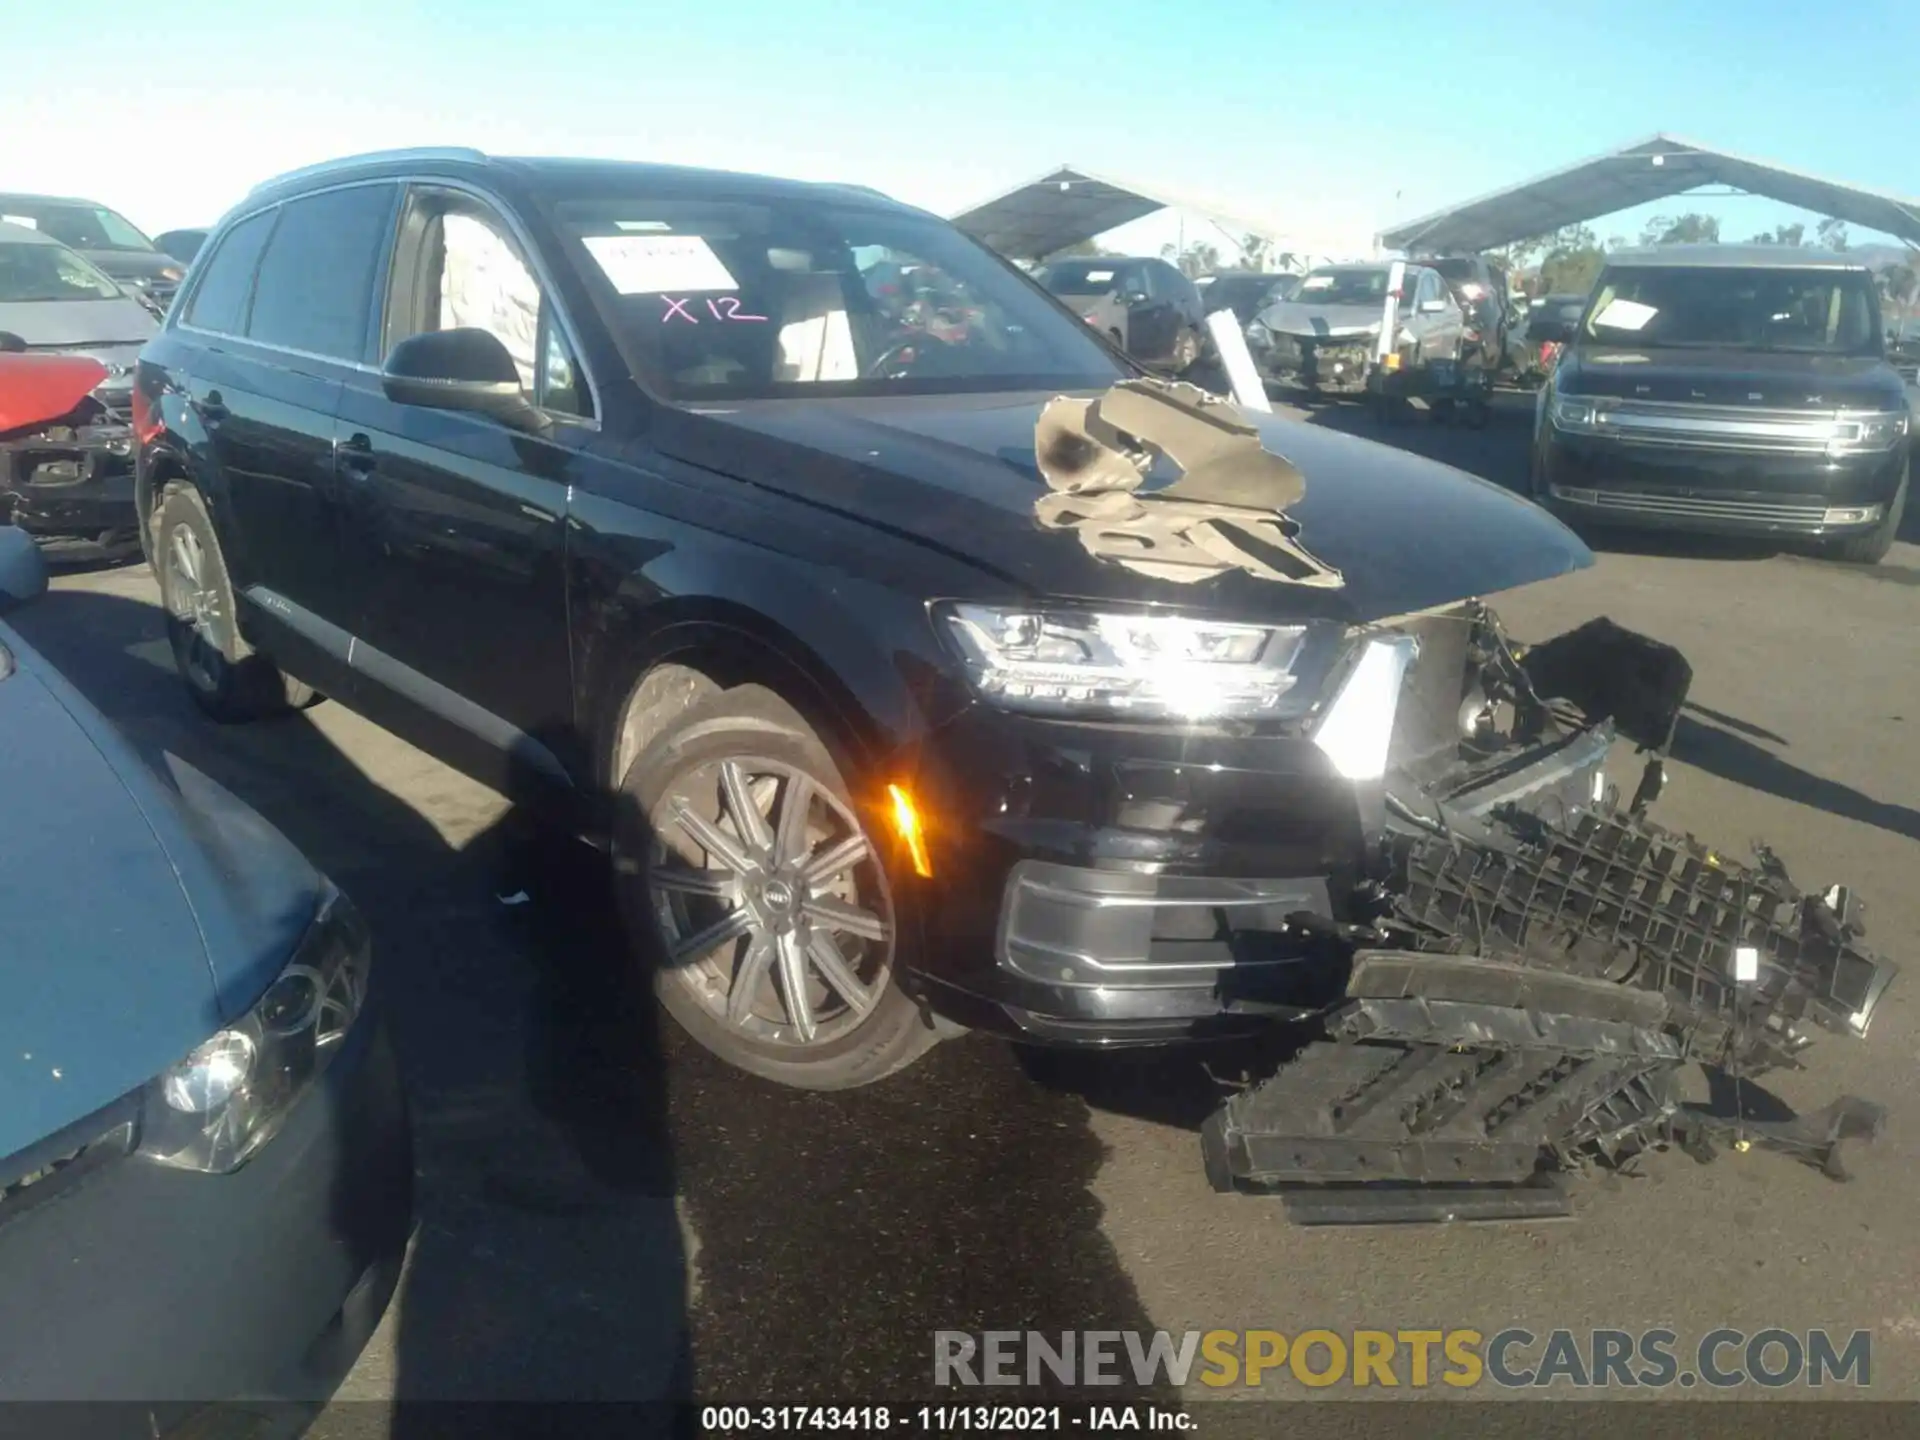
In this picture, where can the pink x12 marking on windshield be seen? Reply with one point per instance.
(726, 307)
(732, 302)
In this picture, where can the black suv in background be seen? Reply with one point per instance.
(628, 489)
(1733, 389)
(1144, 306)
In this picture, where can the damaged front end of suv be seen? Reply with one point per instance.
(1511, 982)
(1533, 962)
(66, 455)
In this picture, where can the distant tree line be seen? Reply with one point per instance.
(1570, 259)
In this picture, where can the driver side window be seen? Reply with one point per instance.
(469, 273)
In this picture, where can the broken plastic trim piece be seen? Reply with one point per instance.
(1225, 512)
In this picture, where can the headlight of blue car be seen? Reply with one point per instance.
(214, 1109)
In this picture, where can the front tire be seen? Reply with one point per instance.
(227, 678)
(751, 886)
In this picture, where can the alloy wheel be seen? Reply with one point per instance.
(771, 901)
(195, 602)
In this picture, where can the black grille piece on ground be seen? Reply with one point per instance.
(1555, 981)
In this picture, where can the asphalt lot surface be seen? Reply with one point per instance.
(606, 1212)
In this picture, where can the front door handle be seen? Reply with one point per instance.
(355, 456)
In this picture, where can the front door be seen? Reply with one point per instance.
(456, 521)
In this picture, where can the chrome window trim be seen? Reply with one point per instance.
(493, 203)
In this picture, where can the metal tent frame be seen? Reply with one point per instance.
(1068, 205)
(1653, 169)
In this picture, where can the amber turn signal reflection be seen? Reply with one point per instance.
(906, 824)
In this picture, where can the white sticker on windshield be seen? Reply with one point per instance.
(24, 221)
(655, 264)
(1099, 277)
(1317, 282)
(1625, 315)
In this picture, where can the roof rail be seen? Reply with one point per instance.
(421, 152)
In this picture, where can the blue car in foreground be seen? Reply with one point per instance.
(207, 1184)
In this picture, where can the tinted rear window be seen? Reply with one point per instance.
(315, 291)
(226, 279)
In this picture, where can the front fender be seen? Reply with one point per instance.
(854, 654)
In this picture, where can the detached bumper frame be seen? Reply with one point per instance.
(1536, 975)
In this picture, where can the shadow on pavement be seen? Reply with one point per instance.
(1720, 751)
(548, 1260)
(819, 1239)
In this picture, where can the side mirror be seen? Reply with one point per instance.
(23, 570)
(1549, 332)
(465, 369)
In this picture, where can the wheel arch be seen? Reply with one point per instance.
(695, 647)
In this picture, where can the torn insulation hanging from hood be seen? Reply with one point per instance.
(1225, 512)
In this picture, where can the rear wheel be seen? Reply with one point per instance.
(751, 885)
(227, 677)
(1872, 547)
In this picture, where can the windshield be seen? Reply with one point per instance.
(30, 272)
(1825, 312)
(1344, 287)
(84, 227)
(794, 296)
(1079, 277)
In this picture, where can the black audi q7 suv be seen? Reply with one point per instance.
(917, 673)
(1731, 389)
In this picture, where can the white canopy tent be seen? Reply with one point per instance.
(1653, 169)
(1068, 205)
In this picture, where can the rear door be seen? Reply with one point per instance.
(455, 522)
(284, 313)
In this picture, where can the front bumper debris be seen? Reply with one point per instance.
(1530, 982)
(66, 458)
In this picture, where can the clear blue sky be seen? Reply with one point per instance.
(1294, 109)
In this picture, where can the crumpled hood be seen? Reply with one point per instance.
(959, 473)
(1774, 380)
(76, 324)
(136, 916)
(1293, 317)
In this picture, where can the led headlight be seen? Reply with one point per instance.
(1157, 666)
(1867, 430)
(214, 1109)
